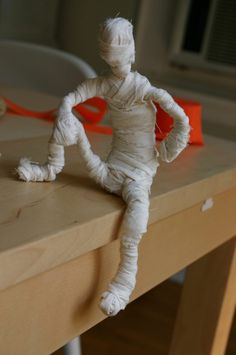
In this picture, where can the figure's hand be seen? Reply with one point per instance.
(168, 153)
(173, 145)
(165, 152)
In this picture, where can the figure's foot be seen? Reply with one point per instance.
(25, 170)
(30, 171)
(111, 304)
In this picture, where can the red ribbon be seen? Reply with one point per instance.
(194, 112)
(21, 111)
(93, 111)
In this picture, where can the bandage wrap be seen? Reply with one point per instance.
(131, 165)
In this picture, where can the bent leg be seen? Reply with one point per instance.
(29, 171)
(133, 226)
(66, 132)
(71, 131)
(96, 167)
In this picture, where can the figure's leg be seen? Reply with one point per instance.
(134, 225)
(96, 167)
(29, 171)
(66, 132)
(71, 131)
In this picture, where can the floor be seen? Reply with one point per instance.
(145, 327)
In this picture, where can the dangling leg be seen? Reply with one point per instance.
(134, 225)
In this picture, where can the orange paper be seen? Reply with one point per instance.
(193, 110)
(93, 111)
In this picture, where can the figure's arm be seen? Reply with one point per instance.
(67, 127)
(87, 89)
(178, 138)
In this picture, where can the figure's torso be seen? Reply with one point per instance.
(133, 121)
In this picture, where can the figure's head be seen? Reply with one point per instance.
(116, 44)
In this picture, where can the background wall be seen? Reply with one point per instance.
(29, 20)
(79, 23)
(71, 25)
(216, 91)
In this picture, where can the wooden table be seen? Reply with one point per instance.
(59, 247)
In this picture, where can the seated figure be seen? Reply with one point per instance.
(133, 160)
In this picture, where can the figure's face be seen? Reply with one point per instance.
(121, 71)
(117, 47)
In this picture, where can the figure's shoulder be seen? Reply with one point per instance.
(139, 76)
(141, 79)
(142, 84)
(95, 80)
(100, 82)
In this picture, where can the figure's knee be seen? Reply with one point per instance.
(97, 169)
(136, 193)
(113, 181)
(66, 131)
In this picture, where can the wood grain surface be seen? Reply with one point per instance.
(55, 306)
(43, 225)
(18, 127)
(58, 240)
(207, 304)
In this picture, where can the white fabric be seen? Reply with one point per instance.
(129, 168)
(32, 171)
(176, 141)
(116, 44)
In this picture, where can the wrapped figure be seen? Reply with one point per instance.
(133, 160)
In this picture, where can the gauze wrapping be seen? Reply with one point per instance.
(176, 141)
(130, 166)
(31, 171)
(129, 169)
(116, 42)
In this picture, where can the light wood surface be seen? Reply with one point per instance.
(207, 304)
(45, 224)
(58, 241)
(17, 127)
(55, 306)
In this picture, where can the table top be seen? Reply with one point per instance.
(43, 225)
(14, 127)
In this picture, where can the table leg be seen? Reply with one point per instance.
(73, 347)
(207, 304)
